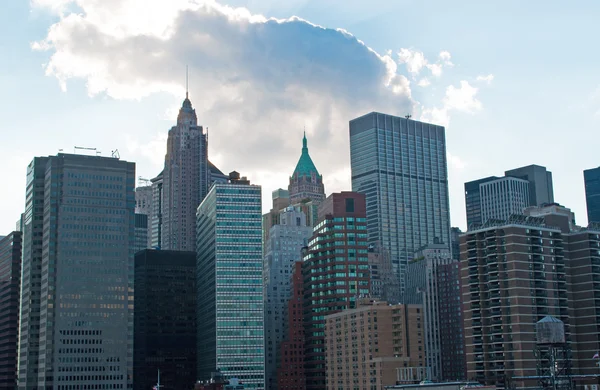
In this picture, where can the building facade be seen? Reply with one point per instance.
(336, 273)
(513, 274)
(373, 346)
(164, 319)
(455, 234)
(503, 197)
(143, 205)
(384, 283)
(290, 373)
(591, 179)
(155, 219)
(141, 232)
(283, 250)
(10, 286)
(281, 200)
(400, 165)
(230, 283)
(500, 197)
(541, 189)
(422, 278)
(185, 180)
(306, 182)
(78, 248)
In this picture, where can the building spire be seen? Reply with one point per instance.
(304, 143)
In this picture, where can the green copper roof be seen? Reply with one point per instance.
(305, 166)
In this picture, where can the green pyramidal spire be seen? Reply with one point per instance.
(305, 166)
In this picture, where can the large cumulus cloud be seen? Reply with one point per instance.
(256, 82)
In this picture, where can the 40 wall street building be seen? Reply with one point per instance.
(77, 287)
(400, 165)
(230, 283)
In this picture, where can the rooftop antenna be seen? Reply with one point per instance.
(186, 81)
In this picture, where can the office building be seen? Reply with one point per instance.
(512, 276)
(10, 286)
(290, 373)
(503, 197)
(185, 180)
(541, 190)
(591, 179)
(374, 345)
(77, 286)
(140, 232)
(306, 182)
(335, 271)
(215, 174)
(473, 201)
(230, 283)
(164, 319)
(155, 219)
(283, 249)
(500, 197)
(422, 278)
(384, 283)
(452, 337)
(400, 165)
(281, 200)
(455, 242)
(143, 200)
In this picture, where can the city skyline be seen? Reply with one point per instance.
(133, 119)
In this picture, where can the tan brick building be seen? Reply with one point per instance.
(374, 345)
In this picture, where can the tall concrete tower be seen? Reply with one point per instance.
(186, 179)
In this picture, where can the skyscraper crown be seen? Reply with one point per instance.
(305, 166)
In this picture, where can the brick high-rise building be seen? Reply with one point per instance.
(10, 286)
(290, 373)
(513, 274)
(185, 180)
(336, 273)
(374, 346)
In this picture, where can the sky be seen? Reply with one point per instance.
(514, 83)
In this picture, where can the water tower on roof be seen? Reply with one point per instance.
(550, 331)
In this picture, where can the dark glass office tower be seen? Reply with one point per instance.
(165, 319)
(591, 178)
(400, 165)
(77, 278)
(10, 277)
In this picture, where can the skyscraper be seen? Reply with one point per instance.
(306, 182)
(591, 178)
(185, 182)
(140, 232)
(143, 205)
(335, 271)
(156, 216)
(541, 190)
(500, 197)
(165, 319)
(400, 165)
(423, 287)
(77, 284)
(283, 249)
(10, 278)
(230, 283)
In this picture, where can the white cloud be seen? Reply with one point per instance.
(415, 61)
(424, 82)
(254, 81)
(455, 162)
(461, 99)
(488, 79)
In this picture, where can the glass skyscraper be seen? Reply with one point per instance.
(400, 165)
(230, 283)
(77, 287)
(591, 178)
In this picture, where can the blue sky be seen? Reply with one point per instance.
(257, 83)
